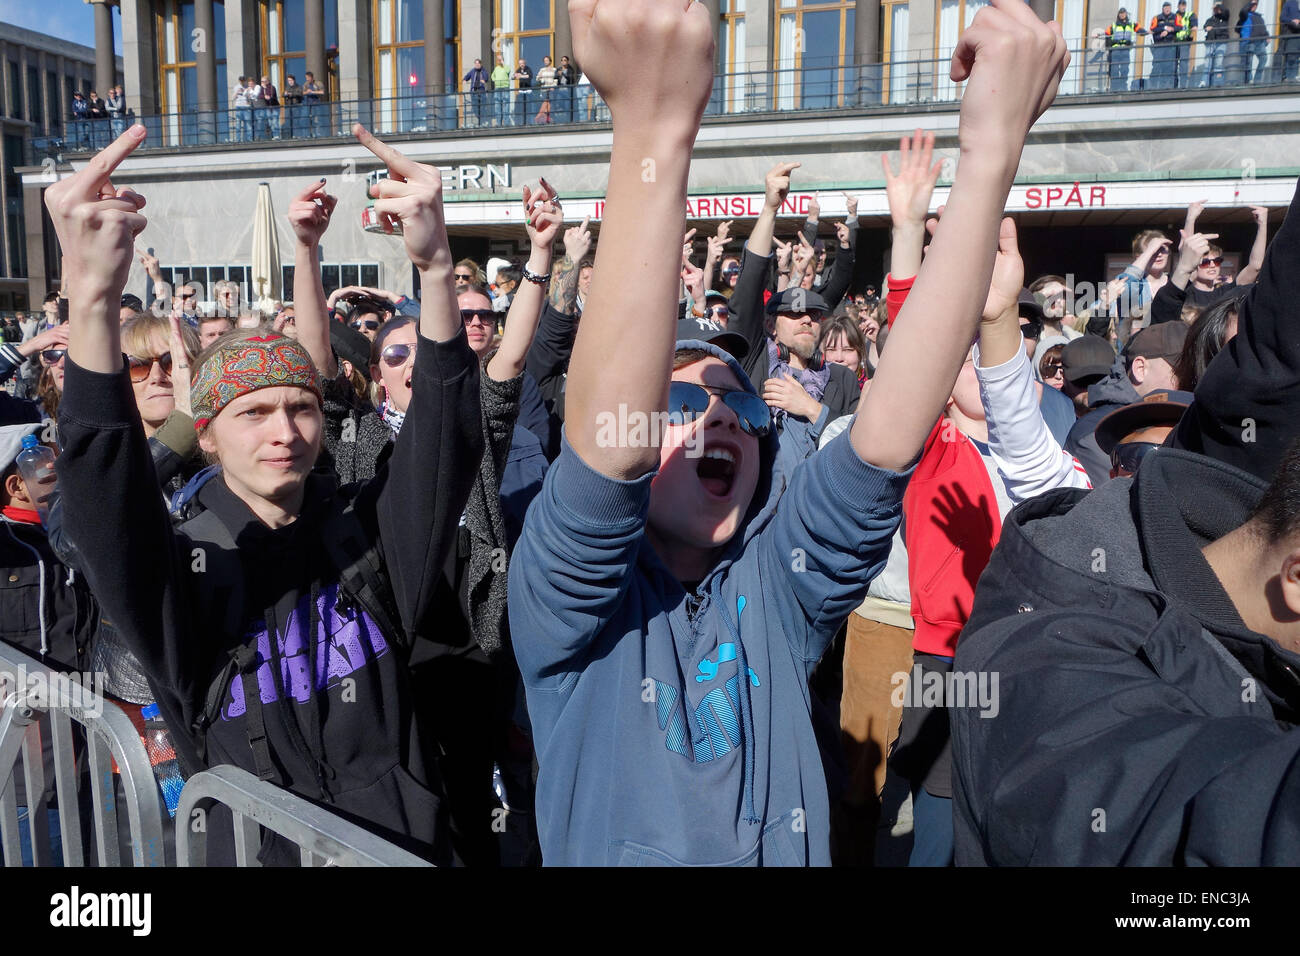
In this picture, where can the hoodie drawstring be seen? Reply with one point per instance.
(746, 706)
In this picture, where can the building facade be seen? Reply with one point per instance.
(831, 84)
(38, 75)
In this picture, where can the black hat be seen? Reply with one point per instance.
(798, 300)
(1086, 356)
(1160, 407)
(351, 345)
(1158, 341)
(706, 330)
(132, 302)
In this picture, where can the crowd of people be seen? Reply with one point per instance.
(518, 573)
(1225, 53)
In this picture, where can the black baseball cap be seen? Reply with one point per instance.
(1161, 407)
(132, 302)
(350, 344)
(706, 330)
(1085, 357)
(1157, 341)
(797, 300)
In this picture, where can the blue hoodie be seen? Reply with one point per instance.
(668, 737)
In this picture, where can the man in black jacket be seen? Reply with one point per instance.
(1148, 696)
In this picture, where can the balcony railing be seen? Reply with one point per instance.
(902, 81)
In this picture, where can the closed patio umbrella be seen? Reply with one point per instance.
(268, 285)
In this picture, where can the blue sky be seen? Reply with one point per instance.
(66, 19)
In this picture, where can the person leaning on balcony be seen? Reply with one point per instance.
(1184, 36)
(293, 124)
(242, 107)
(313, 97)
(500, 91)
(117, 110)
(1290, 30)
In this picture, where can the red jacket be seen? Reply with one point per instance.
(951, 525)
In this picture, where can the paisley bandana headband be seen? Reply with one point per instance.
(246, 365)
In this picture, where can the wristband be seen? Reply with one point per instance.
(542, 280)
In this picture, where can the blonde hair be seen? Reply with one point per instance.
(139, 332)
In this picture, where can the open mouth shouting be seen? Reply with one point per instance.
(717, 469)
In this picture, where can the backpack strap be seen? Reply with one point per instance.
(362, 577)
(246, 662)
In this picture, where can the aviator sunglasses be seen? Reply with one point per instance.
(687, 401)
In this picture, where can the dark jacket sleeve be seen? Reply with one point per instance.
(841, 271)
(747, 318)
(843, 394)
(534, 416)
(421, 493)
(548, 356)
(131, 557)
(172, 446)
(1167, 306)
(1247, 406)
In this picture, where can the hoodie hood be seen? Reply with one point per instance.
(769, 488)
(1131, 549)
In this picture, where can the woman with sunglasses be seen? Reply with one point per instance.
(46, 350)
(276, 620)
(1051, 368)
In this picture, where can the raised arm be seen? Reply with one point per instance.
(1250, 272)
(309, 217)
(776, 185)
(842, 269)
(644, 221)
(564, 288)
(422, 490)
(909, 195)
(543, 220)
(1012, 62)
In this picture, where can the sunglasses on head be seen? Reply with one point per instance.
(53, 356)
(1128, 456)
(141, 367)
(395, 355)
(368, 324)
(687, 401)
(1212, 261)
(484, 316)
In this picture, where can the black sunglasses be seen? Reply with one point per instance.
(1128, 456)
(731, 271)
(464, 277)
(1212, 261)
(396, 354)
(141, 367)
(485, 316)
(687, 401)
(1052, 369)
(369, 324)
(53, 356)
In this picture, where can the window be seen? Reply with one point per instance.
(15, 91)
(451, 26)
(284, 38)
(895, 53)
(178, 75)
(16, 244)
(814, 39)
(36, 103)
(399, 63)
(731, 54)
(1072, 15)
(954, 17)
(525, 29)
(337, 275)
(52, 106)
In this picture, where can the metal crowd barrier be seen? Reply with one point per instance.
(323, 838)
(38, 700)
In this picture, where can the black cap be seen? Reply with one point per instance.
(797, 300)
(1158, 341)
(1085, 357)
(132, 302)
(706, 330)
(351, 345)
(1160, 407)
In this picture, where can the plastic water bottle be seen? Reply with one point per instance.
(162, 755)
(36, 466)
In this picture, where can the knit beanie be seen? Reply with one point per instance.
(244, 365)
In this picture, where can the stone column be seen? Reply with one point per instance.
(105, 61)
(866, 51)
(315, 29)
(435, 49)
(139, 58)
(1046, 9)
(564, 31)
(206, 69)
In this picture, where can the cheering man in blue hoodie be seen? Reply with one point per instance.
(667, 599)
